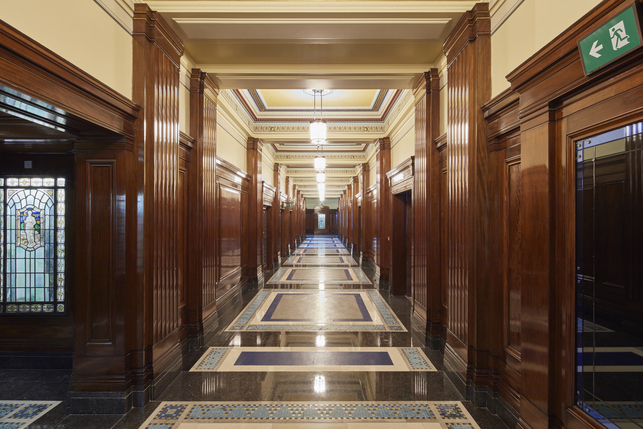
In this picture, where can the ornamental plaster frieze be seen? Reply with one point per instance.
(329, 171)
(331, 128)
(311, 155)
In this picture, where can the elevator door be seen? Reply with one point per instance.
(609, 289)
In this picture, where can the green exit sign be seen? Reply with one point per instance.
(612, 40)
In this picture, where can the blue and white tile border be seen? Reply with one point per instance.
(241, 323)
(170, 415)
(403, 358)
(20, 414)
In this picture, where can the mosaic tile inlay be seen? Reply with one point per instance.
(306, 359)
(20, 414)
(257, 316)
(222, 412)
(319, 275)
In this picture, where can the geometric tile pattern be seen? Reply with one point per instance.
(416, 359)
(212, 359)
(221, 412)
(247, 313)
(307, 359)
(20, 414)
(246, 321)
(392, 321)
(320, 261)
(319, 275)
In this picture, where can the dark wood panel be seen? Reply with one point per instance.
(99, 245)
(85, 103)
(156, 147)
(467, 49)
(202, 204)
(514, 255)
(229, 229)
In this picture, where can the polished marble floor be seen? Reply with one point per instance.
(339, 377)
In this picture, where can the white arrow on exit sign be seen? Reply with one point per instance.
(595, 48)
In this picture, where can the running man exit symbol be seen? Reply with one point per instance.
(610, 41)
(619, 36)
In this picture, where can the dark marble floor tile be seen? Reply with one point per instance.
(79, 421)
(265, 386)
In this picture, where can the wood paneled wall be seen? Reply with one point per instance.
(255, 216)
(269, 253)
(381, 210)
(157, 53)
(285, 225)
(427, 295)
(365, 236)
(202, 267)
(234, 222)
(77, 103)
(468, 61)
(277, 213)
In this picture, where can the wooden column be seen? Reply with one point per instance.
(157, 53)
(427, 274)
(255, 213)
(202, 204)
(468, 58)
(277, 211)
(354, 217)
(382, 215)
(365, 218)
(151, 323)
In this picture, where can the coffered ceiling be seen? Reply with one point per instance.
(266, 52)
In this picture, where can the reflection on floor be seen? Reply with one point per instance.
(353, 362)
(321, 261)
(334, 310)
(306, 359)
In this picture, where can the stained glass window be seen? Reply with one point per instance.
(32, 245)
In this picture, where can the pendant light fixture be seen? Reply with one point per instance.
(318, 128)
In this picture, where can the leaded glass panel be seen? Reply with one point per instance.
(32, 245)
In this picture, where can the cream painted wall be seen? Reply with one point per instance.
(403, 142)
(231, 143)
(531, 26)
(79, 31)
(267, 165)
(444, 82)
(282, 182)
(372, 176)
(187, 64)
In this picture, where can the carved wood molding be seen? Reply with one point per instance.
(441, 142)
(186, 141)
(32, 69)
(401, 177)
(151, 24)
(502, 114)
(473, 24)
(231, 171)
(269, 193)
(428, 82)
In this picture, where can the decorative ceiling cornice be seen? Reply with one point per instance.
(305, 115)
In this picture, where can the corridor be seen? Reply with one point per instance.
(318, 346)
